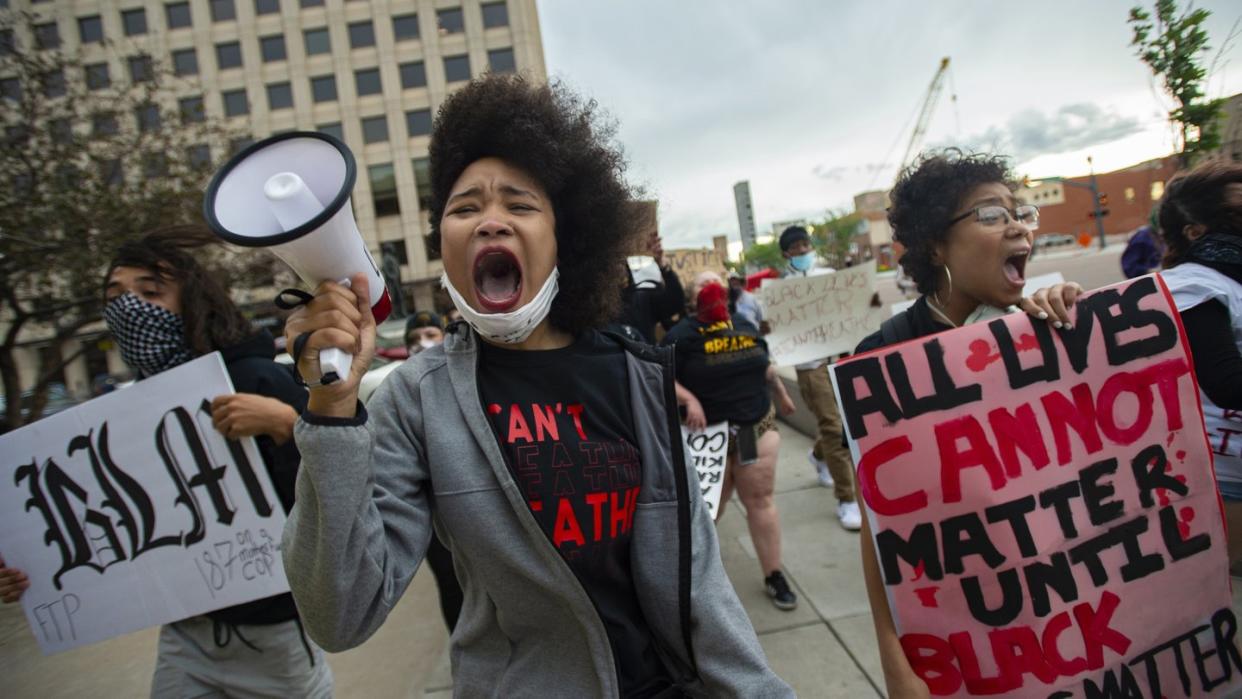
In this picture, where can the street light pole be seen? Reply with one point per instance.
(1095, 203)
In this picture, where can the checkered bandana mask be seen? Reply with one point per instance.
(152, 339)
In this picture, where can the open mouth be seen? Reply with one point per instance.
(1015, 268)
(497, 280)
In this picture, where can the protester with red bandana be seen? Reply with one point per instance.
(723, 362)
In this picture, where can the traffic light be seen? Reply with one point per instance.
(1103, 200)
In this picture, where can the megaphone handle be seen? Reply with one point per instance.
(333, 359)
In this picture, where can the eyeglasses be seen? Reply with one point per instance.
(996, 215)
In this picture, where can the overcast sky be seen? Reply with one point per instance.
(813, 101)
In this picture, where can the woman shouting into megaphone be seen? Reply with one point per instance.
(546, 454)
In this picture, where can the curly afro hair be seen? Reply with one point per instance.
(926, 197)
(1210, 196)
(561, 140)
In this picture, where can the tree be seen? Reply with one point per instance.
(833, 236)
(1172, 45)
(89, 159)
(762, 255)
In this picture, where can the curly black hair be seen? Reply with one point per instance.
(562, 141)
(1210, 196)
(926, 197)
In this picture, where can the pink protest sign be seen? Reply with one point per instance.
(1043, 506)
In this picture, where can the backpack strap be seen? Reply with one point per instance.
(897, 329)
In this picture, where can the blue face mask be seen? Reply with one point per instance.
(803, 262)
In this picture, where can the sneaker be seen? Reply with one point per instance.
(821, 469)
(850, 516)
(778, 589)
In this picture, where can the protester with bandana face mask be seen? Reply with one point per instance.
(547, 455)
(164, 308)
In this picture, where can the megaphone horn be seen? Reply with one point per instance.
(290, 193)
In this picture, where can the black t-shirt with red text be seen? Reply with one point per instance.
(563, 421)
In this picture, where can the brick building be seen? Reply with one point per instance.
(1131, 193)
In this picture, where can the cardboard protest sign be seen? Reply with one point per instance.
(1043, 507)
(131, 510)
(687, 263)
(706, 451)
(819, 316)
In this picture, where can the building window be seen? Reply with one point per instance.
(97, 76)
(7, 45)
(228, 55)
(178, 15)
(237, 145)
(104, 124)
(1157, 190)
(396, 248)
(191, 109)
(317, 41)
(361, 34)
(54, 83)
(383, 189)
(279, 96)
(456, 68)
(235, 103)
(375, 129)
(405, 27)
(272, 48)
(266, 7)
(47, 36)
(334, 130)
(311, 3)
(367, 82)
(148, 116)
(413, 75)
(112, 172)
(11, 89)
(501, 61)
(422, 183)
(90, 29)
(495, 14)
(1129, 194)
(223, 10)
(418, 122)
(140, 69)
(198, 156)
(323, 88)
(155, 165)
(450, 21)
(61, 130)
(134, 22)
(185, 62)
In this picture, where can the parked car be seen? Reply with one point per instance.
(58, 398)
(1052, 240)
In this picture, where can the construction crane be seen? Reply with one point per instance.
(929, 105)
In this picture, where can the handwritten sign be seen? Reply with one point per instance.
(819, 316)
(131, 510)
(706, 451)
(688, 263)
(1043, 506)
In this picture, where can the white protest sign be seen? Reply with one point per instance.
(819, 316)
(131, 510)
(706, 450)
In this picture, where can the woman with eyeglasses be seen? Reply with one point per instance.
(967, 240)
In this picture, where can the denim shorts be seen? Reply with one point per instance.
(1230, 490)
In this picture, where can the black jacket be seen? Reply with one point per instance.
(252, 368)
(915, 321)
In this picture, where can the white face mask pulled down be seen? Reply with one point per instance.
(512, 327)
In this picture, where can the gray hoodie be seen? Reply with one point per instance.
(371, 489)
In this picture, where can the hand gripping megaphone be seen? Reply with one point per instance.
(290, 193)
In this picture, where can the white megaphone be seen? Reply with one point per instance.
(290, 193)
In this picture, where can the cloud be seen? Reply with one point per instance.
(838, 173)
(1032, 133)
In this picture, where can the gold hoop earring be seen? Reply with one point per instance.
(949, 278)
